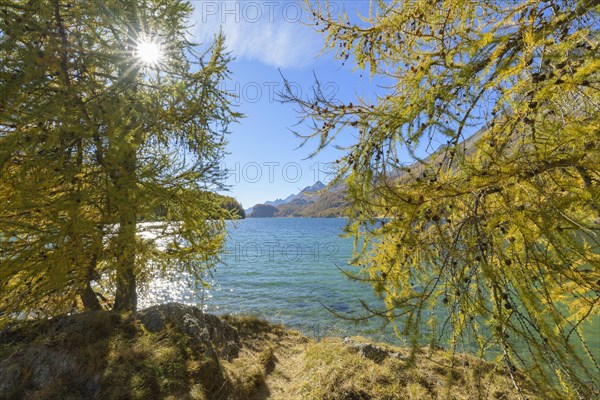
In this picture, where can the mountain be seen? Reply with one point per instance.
(309, 189)
(312, 201)
(279, 202)
(314, 188)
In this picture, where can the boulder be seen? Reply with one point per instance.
(206, 330)
(370, 351)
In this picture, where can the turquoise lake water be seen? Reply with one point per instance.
(284, 270)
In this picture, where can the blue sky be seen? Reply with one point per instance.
(270, 38)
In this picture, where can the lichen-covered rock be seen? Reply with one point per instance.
(205, 329)
(370, 351)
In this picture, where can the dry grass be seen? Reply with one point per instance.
(106, 357)
(333, 372)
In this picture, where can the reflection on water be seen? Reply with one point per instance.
(174, 287)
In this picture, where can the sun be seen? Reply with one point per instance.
(149, 52)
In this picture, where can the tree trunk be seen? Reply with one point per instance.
(88, 296)
(89, 299)
(126, 296)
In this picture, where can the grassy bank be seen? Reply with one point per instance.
(182, 354)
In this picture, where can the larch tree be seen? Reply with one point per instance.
(107, 113)
(490, 242)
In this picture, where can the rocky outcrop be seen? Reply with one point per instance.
(371, 351)
(206, 330)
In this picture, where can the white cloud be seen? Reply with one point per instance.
(272, 32)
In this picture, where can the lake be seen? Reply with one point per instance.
(284, 270)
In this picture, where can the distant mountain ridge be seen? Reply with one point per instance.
(311, 201)
(307, 190)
